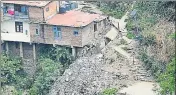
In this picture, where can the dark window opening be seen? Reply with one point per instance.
(19, 26)
(17, 8)
(75, 33)
(95, 27)
(37, 31)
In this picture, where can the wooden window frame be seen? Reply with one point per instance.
(19, 27)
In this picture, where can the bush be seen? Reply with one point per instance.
(167, 79)
(47, 72)
(109, 91)
(130, 35)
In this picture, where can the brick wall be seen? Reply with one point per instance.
(52, 9)
(68, 38)
(36, 38)
(87, 34)
(35, 14)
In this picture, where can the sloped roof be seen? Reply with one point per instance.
(74, 18)
(30, 3)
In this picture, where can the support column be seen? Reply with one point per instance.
(34, 52)
(7, 48)
(73, 52)
(21, 49)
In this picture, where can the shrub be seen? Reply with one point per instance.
(130, 35)
(109, 91)
(167, 79)
(47, 72)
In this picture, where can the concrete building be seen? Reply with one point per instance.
(26, 25)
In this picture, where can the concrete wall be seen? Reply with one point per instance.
(36, 14)
(36, 38)
(52, 10)
(68, 38)
(9, 33)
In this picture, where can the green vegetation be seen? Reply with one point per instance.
(130, 35)
(114, 8)
(109, 91)
(51, 64)
(167, 79)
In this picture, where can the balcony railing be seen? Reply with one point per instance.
(17, 15)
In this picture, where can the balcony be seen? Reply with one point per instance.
(13, 11)
(21, 37)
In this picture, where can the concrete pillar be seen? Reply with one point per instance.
(7, 48)
(34, 52)
(73, 52)
(21, 49)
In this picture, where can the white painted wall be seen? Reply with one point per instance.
(12, 35)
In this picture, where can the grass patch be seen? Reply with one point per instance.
(109, 91)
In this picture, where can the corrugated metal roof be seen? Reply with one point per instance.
(30, 3)
(74, 18)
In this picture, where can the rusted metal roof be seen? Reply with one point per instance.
(29, 3)
(74, 19)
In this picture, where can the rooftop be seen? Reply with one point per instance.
(74, 18)
(30, 3)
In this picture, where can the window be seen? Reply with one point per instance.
(95, 27)
(75, 33)
(47, 9)
(57, 32)
(19, 26)
(37, 31)
(17, 8)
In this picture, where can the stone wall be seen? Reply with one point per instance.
(87, 34)
(14, 49)
(27, 51)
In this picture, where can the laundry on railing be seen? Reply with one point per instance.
(11, 12)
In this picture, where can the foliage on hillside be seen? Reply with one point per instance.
(167, 79)
(114, 8)
(51, 64)
(156, 43)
